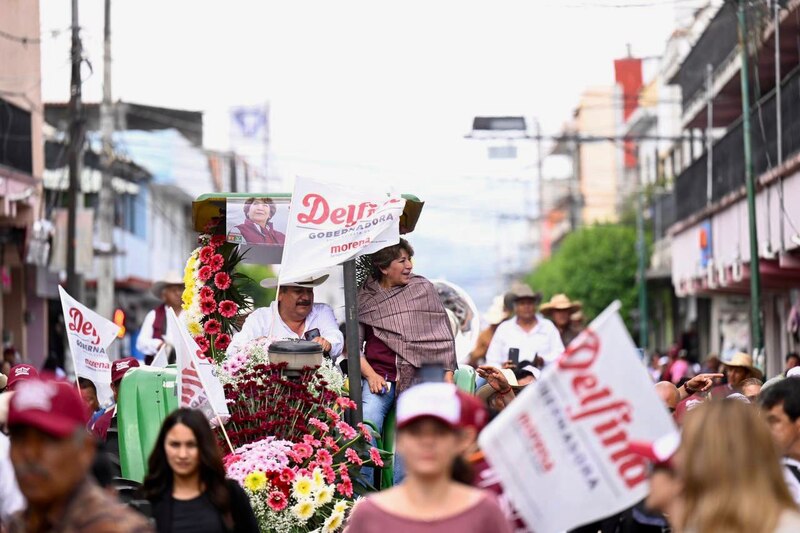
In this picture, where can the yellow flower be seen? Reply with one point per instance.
(340, 507)
(323, 495)
(255, 481)
(333, 522)
(318, 480)
(195, 328)
(302, 487)
(303, 510)
(187, 297)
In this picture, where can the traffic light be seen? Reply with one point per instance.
(119, 319)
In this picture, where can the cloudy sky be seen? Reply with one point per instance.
(374, 90)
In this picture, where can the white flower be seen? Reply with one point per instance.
(333, 522)
(324, 495)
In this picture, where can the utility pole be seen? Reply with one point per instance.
(233, 177)
(641, 249)
(709, 135)
(105, 204)
(74, 283)
(778, 116)
(755, 274)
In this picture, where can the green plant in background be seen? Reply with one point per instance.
(595, 265)
(252, 284)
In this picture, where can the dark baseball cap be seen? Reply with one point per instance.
(51, 406)
(20, 373)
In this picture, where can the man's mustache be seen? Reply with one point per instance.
(303, 302)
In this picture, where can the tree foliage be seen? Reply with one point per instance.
(595, 265)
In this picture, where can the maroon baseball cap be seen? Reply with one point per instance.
(51, 406)
(20, 373)
(120, 366)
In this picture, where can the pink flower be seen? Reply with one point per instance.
(287, 475)
(222, 280)
(212, 327)
(228, 308)
(324, 457)
(206, 293)
(353, 457)
(204, 274)
(330, 443)
(222, 342)
(330, 475)
(303, 450)
(205, 254)
(366, 431)
(230, 459)
(202, 343)
(345, 488)
(375, 455)
(346, 430)
(309, 439)
(217, 241)
(208, 306)
(333, 415)
(277, 501)
(345, 403)
(322, 426)
(216, 262)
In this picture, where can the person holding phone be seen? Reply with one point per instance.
(436, 425)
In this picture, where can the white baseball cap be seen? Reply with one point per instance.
(442, 401)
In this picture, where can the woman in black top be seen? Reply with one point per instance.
(186, 482)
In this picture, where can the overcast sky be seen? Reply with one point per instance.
(365, 90)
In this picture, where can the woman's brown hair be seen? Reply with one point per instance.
(731, 472)
(384, 257)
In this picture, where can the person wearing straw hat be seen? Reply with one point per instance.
(738, 369)
(496, 315)
(293, 315)
(528, 332)
(153, 333)
(560, 309)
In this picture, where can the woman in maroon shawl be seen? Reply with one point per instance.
(403, 327)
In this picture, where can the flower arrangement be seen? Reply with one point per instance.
(213, 301)
(296, 456)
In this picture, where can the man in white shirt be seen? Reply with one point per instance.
(294, 315)
(153, 333)
(528, 331)
(781, 403)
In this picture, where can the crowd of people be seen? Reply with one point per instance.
(733, 466)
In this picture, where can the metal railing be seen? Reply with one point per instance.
(728, 157)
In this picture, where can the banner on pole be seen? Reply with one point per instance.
(89, 336)
(561, 449)
(330, 224)
(198, 385)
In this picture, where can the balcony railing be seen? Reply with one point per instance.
(728, 158)
(663, 213)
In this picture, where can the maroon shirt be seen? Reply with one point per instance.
(255, 234)
(379, 356)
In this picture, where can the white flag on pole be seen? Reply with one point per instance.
(330, 224)
(161, 359)
(198, 385)
(89, 336)
(561, 449)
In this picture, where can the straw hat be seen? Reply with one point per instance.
(307, 283)
(496, 312)
(172, 278)
(560, 302)
(524, 291)
(743, 360)
(486, 391)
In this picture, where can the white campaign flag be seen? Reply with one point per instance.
(162, 357)
(330, 224)
(561, 449)
(198, 385)
(89, 336)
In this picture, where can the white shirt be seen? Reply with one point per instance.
(266, 322)
(791, 480)
(543, 340)
(11, 499)
(145, 342)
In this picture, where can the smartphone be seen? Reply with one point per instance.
(513, 355)
(311, 334)
(431, 373)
